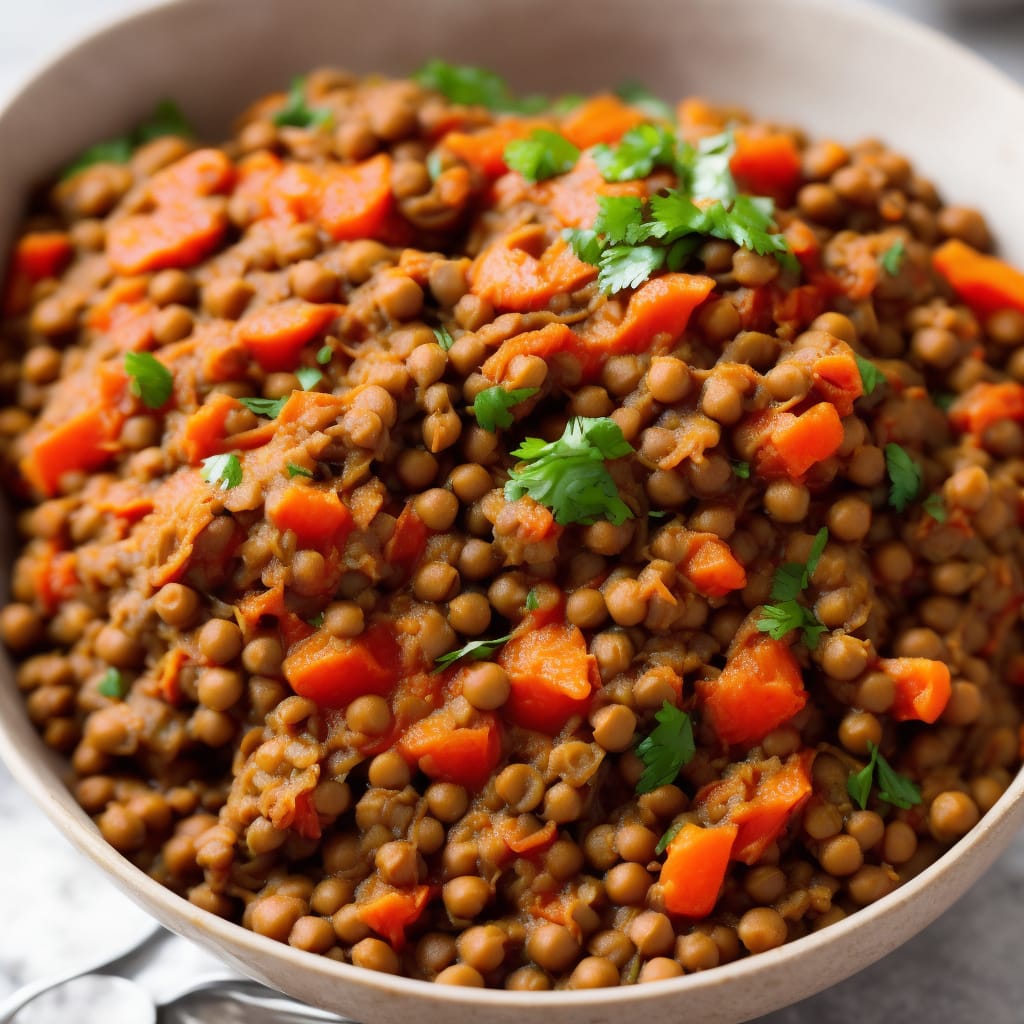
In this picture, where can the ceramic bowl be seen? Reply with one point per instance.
(846, 72)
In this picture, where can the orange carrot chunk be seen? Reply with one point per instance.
(314, 515)
(205, 429)
(759, 689)
(711, 566)
(766, 165)
(484, 149)
(547, 342)
(390, 914)
(796, 443)
(695, 867)
(603, 118)
(550, 672)
(205, 172)
(172, 236)
(356, 200)
(923, 688)
(985, 404)
(84, 442)
(466, 755)
(333, 672)
(985, 283)
(41, 254)
(275, 335)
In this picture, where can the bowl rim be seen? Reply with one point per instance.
(23, 759)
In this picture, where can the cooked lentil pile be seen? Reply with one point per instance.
(516, 543)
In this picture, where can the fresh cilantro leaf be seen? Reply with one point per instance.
(619, 219)
(294, 470)
(113, 151)
(670, 833)
(858, 784)
(936, 508)
(545, 154)
(892, 258)
(817, 550)
(676, 214)
(112, 685)
(532, 601)
(895, 789)
(870, 375)
(706, 169)
(474, 87)
(296, 113)
(566, 102)
(585, 243)
(435, 168)
(640, 150)
(569, 475)
(475, 650)
(444, 339)
(779, 619)
(638, 95)
(741, 470)
(627, 266)
(317, 621)
(657, 513)
(167, 119)
(324, 355)
(151, 381)
(492, 406)
(943, 399)
(224, 471)
(792, 578)
(308, 377)
(669, 747)
(904, 476)
(270, 407)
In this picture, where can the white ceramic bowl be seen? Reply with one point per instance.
(846, 72)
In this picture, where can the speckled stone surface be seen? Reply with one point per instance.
(57, 910)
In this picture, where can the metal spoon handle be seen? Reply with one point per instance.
(233, 994)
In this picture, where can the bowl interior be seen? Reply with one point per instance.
(838, 71)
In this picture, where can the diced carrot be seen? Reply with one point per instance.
(484, 149)
(305, 819)
(711, 566)
(572, 197)
(254, 183)
(448, 752)
(169, 674)
(55, 576)
(766, 165)
(171, 236)
(697, 118)
(759, 689)
(406, 545)
(313, 410)
(275, 335)
(547, 342)
(356, 200)
(603, 118)
(333, 672)
(795, 308)
(203, 433)
(390, 914)
(796, 443)
(550, 672)
(985, 404)
(315, 515)
(534, 523)
(532, 844)
(507, 273)
(803, 243)
(296, 192)
(204, 172)
(985, 283)
(112, 303)
(41, 254)
(837, 379)
(695, 867)
(658, 311)
(923, 688)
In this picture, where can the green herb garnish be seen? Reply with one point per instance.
(317, 621)
(224, 471)
(308, 377)
(435, 167)
(492, 407)
(294, 470)
(636, 94)
(935, 507)
(545, 154)
(296, 112)
(166, 119)
(532, 600)
(569, 476)
(475, 650)
(112, 685)
(472, 86)
(444, 339)
(892, 258)
(324, 355)
(904, 476)
(670, 833)
(895, 789)
(741, 470)
(640, 150)
(870, 375)
(786, 613)
(270, 407)
(669, 747)
(151, 381)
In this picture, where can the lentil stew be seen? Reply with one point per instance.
(516, 543)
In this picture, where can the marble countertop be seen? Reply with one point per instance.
(966, 966)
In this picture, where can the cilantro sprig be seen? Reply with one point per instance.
(905, 477)
(472, 86)
(112, 684)
(545, 154)
(670, 833)
(892, 258)
(569, 476)
(223, 471)
(669, 746)
(935, 507)
(150, 380)
(270, 407)
(895, 789)
(786, 613)
(297, 113)
(444, 338)
(308, 377)
(296, 470)
(639, 151)
(475, 650)
(492, 407)
(636, 94)
(870, 375)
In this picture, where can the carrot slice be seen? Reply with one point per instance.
(466, 755)
(550, 672)
(204, 430)
(390, 914)
(711, 566)
(275, 335)
(796, 443)
(923, 688)
(985, 404)
(695, 867)
(205, 172)
(766, 165)
(985, 283)
(572, 197)
(314, 515)
(172, 236)
(759, 689)
(406, 545)
(355, 201)
(41, 254)
(333, 672)
(547, 342)
(603, 118)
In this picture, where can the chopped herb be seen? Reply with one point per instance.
(779, 619)
(296, 113)
(943, 399)
(476, 650)
(657, 513)
(532, 601)
(892, 258)
(585, 243)
(317, 621)
(474, 87)
(638, 95)
(566, 102)
(294, 470)
(669, 747)
(167, 119)
(742, 470)
(569, 476)
(936, 508)
(640, 150)
(492, 406)
(308, 377)
(870, 375)
(904, 476)
(670, 833)
(545, 154)
(222, 470)
(791, 578)
(895, 789)
(324, 355)
(151, 381)
(270, 407)
(444, 339)
(113, 151)
(627, 266)
(112, 685)
(434, 166)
